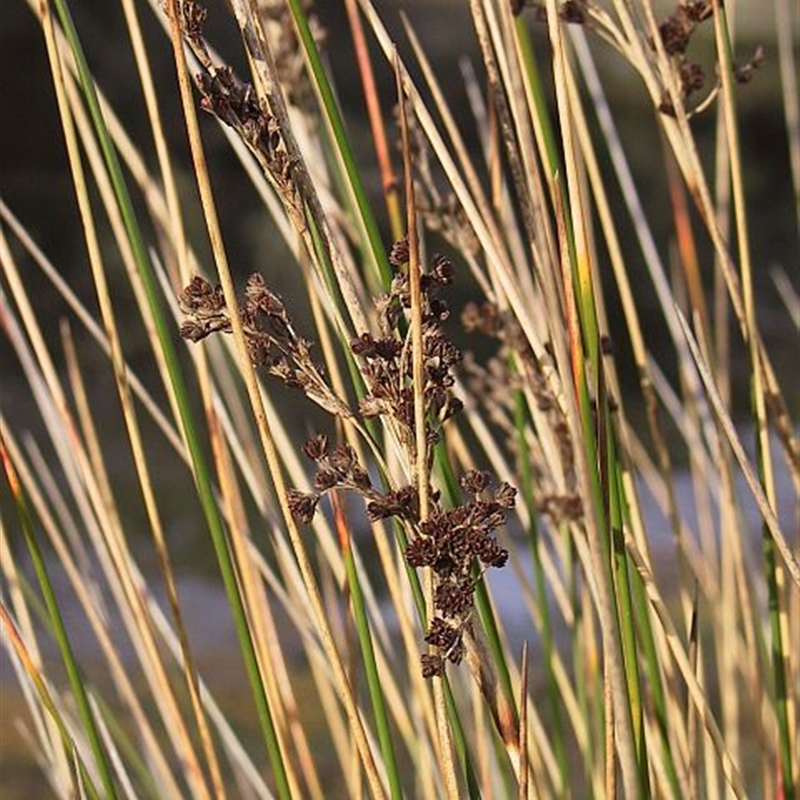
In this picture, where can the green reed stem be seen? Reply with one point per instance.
(201, 470)
(650, 656)
(625, 606)
(583, 689)
(381, 274)
(460, 742)
(597, 498)
(521, 420)
(133, 759)
(758, 400)
(59, 630)
(540, 107)
(128, 747)
(372, 675)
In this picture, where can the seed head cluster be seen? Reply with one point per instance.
(676, 32)
(386, 358)
(486, 318)
(457, 544)
(272, 341)
(743, 73)
(450, 543)
(337, 468)
(235, 103)
(677, 29)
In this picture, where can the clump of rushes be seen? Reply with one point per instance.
(643, 484)
(449, 542)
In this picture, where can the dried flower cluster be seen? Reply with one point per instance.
(743, 73)
(193, 18)
(561, 508)
(338, 468)
(488, 319)
(677, 29)
(234, 102)
(676, 32)
(450, 543)
(386, 358)
(272, 341)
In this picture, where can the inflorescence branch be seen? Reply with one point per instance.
(450, 542)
